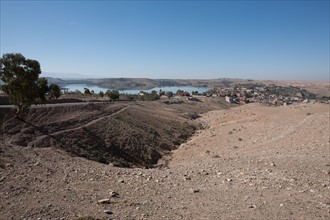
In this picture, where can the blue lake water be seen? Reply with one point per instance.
(96, 89)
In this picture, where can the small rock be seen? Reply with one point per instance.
(104, 201)
(194, 190)
(8, 165)
(252, 206)
(114, 194)
(121, 181)
(229, 180)
(107, 211)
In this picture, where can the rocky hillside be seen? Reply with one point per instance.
(122, 134)
(249, 162)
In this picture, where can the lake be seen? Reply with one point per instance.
(96, 89)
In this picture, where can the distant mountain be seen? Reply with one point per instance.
(55, 80)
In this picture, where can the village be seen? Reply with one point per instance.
(272, 95)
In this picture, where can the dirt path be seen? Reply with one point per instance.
(88, 123)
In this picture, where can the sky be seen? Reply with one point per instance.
(279, 40)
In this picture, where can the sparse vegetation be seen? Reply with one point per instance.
(55, 90)
(21, 81)
(20, 76)
(113, 95)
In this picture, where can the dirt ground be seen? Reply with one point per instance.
(248, 162)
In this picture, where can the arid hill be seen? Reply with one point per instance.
(131, 134)
(249, 162)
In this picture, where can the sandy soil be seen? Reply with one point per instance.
(249, 162)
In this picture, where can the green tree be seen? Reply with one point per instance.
(43, 88)
(20, 77)
(169, 94)
(55, 90)
(87, 91)
(113, 94)
(101, 94)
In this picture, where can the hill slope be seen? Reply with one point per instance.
(250, 162)
(125, 135)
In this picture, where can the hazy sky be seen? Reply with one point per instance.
(171, 39)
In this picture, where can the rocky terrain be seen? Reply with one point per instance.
(131, 134)
(248, 162)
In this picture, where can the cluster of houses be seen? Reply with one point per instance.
(270, 95)
(248, 93)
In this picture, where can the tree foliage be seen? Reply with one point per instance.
(101, 94)
(144, 96)
(87, 91)
(43, 88)
(22, 83)
(113, 94)
(169, 94)
(55, 90)
(20, 77)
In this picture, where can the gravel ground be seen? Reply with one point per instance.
(249, 162)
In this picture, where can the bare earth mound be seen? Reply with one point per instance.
(250, 162)
(124, 135)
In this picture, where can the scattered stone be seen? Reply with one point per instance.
(107, 211)
(104, 201)
(253, 206)
(114, 194)
(121, 181)
(194, 190)
(229, 180)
